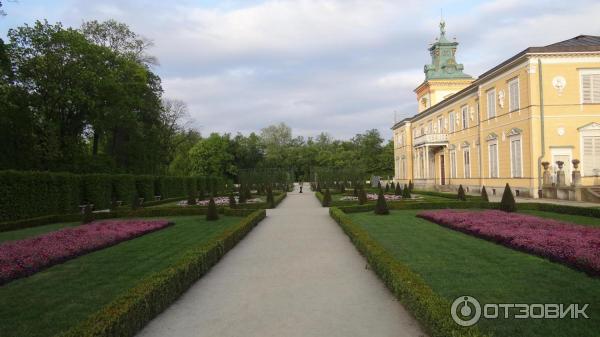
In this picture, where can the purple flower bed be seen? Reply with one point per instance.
(22, 258)
(574, 245)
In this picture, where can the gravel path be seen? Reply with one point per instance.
(295, 274)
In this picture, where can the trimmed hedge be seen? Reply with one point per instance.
(445, 195)
(430, 309)
(25, 194)
(123, 213)
(129, 313)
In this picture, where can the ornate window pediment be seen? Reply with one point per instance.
(514, 132)
(451, 147)
(590, 126)
(491, 136)
(465, 144)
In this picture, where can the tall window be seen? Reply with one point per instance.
(590, 87)
(591, 155)
(451, 121)
(403, 168)
(513, 95)
(493, 159)
(515, 158)
(465, 116)
(467, 162)
(440, 124)
(453, 164)
(491, 103)
(430, 127)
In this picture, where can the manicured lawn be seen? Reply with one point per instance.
(578, 219)
(456, 264)
(59, 297)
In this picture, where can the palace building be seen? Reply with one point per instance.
(532, 121)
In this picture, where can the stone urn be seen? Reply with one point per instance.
(576, 174)
(560, 164)
(575, 163)
(545, 165)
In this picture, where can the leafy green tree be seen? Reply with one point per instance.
(210, 157)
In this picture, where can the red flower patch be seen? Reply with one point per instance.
(574, 245)
(26, 257)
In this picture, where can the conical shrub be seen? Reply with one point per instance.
(461, 193)
(270, 198)
(393, 187)
(379, 185)
(508, 203)
(362, 196)
(406, 192)
(343, 187)
(411, 186)
(398, 190)
(484, 195)
(381, 207)
(327, 198)
(387, 188)
(212, 213)
(232, 202)
(242, 198)
(191, 199)
(88, 214)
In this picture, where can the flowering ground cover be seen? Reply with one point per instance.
(219, 201)
(25, 257)
(454, 264)
(373, 196)
(55, 299)
(574, 245)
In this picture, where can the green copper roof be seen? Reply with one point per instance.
(443, 62)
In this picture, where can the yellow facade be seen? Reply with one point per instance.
(498, 129)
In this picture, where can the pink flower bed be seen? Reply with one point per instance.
(21, 258)
(574, 245)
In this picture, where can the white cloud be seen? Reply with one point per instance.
(341, 66)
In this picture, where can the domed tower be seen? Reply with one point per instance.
(444, 76)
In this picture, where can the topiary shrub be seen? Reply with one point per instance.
(379, 185)
(406, 192)
(327, 198)
(248, 193)
(398, 189)
(191, 199)
(318, 187)
(232, 202)
(392, 187)
(343, 187)
(362, 196)
(135, 202)
(88, 214)
(270, 199)
(381, 207)
(461, 193)
(484, 195)
(411, 186)
(242, 193)
(212, 212)
(387, 188)
(508, 203)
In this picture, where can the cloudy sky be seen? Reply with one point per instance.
(340, 66)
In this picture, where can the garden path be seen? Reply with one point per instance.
(295, 274)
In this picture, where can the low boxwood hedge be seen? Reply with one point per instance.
(447, 195)
(429, 308)
(129, 313)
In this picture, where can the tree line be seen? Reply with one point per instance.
(86, 100)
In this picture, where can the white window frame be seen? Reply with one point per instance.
(497, 173)
(467, 163)
(510, 98)
(464, 116)
(491, 103)
(452, 164)
(512, 163)
(582, 134)
(451, 121)
(440, 121)
(583, 72)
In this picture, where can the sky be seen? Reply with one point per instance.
(339, 66)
